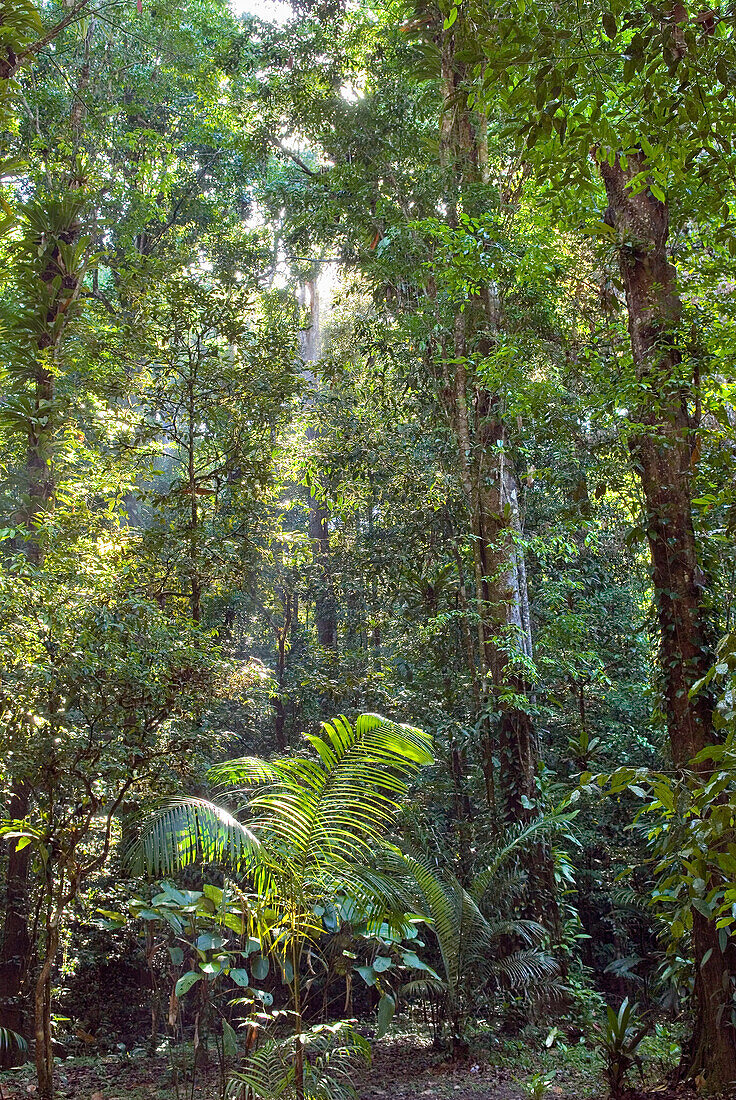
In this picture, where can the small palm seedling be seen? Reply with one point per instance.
(480, 950)
(538, 1085)
(619, 1038)
(330, 1052)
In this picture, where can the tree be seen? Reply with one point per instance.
(94, 683)
(650, 141)
(215, 391)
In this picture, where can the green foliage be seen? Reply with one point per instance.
(480, 951)
(315, 823)
(317, 828)
(330, 1054)
(538, 1085)
(11, 1041)
(620, 1038)
(688, 823)
(183, 499)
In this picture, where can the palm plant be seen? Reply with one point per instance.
(11, 1041)
(331, 1051)
(474, 942)
(315, 825)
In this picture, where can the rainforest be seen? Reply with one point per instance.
(367, 549)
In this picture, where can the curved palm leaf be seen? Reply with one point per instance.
(530, 932)
(523, 969)
(315, 824)
(10, 1040)
(471, 945)
(184, 831)
(334, 807)
(515, 839)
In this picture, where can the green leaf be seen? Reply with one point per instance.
(368, 974)
(186, 981)
(212, 967)
(259, 966)
(214, 893)
(410, 958)
(240, 976)
(208, 941)
(609, 25)
(229, 1041)
(386, 1009)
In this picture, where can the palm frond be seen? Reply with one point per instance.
(440, 899)
(341, 804)
(10, 1040)
(267, 1076)
(516, 839)
(189, 830)
(245, 771)
(523, 969)
(530, 932)
(422, 987)
(379, 897)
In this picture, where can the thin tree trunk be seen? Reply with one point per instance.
(487, 478)
(283, 637)
(195, 578)
(298, 1023)
(43, 1052)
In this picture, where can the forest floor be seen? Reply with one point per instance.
(401, 1069)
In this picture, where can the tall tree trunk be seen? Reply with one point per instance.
(283, 639)
(42, 424)
(325, 611)
(195, 578)
(488, 479)
(53, 293)
(662, 454)
(324, 597)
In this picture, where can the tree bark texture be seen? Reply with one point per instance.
(489, 482)
(662, 454)
(324, 595)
